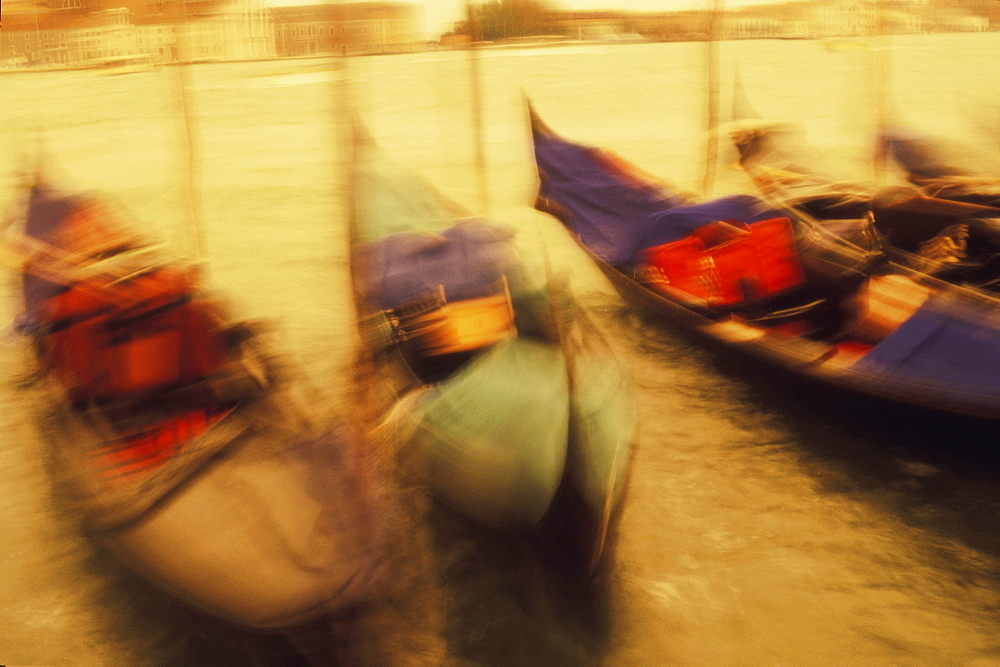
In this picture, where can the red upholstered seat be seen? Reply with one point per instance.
(726, 263)
(136, 336)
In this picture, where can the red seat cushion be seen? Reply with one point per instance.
(727, 263)
(132, 337)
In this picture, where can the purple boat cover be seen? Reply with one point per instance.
(946, 344)
(919, 154)
(46, 212)
(616, 216)
(467, 258)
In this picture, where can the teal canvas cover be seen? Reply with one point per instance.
(494, 434)
(389, 198)
(604, 427)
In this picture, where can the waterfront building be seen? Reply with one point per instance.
(354, 28)
(83, 33)
(43, 36)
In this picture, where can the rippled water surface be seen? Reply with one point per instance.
(769, 523)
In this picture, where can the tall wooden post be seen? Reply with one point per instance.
(715, 19)
(477, 110)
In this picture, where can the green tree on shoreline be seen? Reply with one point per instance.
(505, 19)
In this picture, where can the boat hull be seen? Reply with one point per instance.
(262, 520)
(265, 536)
(801, 358)
(493, 437)
(603, 431)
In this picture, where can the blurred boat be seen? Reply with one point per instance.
(518, 409)
(943, 225)
(760, 280)
(940, 167)
(125, 64)
(177, 437)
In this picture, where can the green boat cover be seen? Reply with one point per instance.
(495, 435)
(390, 198)
(604, 428)
(493, 468)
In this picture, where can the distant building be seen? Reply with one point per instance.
(671, 26)
(754, 27)
(363, 27)
(852, 18)
(59, 37)
(62, 33)
(88, 33)
(824, 19)
(234, 30)
(591, 25)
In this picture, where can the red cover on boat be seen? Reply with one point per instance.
(775, 259)
(685, 266)
(727, 263)
(133, 337)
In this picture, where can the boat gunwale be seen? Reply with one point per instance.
(778, 355)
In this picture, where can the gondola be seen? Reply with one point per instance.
(944, 226)
(519, 413)
(939, 167)
(755, 278)
(177, 438)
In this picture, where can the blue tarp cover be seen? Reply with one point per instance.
(617, 216)
(946, 344)
(467, 258)
(46, 212)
